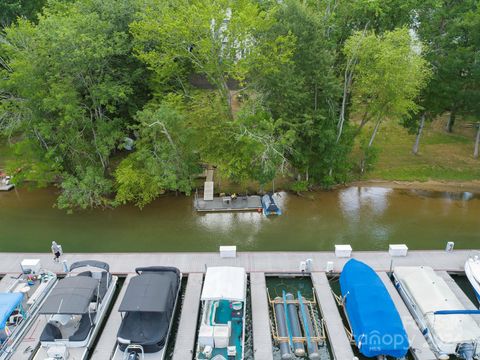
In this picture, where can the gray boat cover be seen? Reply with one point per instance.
(150, 292)
(94, 263)
(148, 305)
(71, 295)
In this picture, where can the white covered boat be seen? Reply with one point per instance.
(449, 328)
(472, 270)
(75, 309)
(222, 326)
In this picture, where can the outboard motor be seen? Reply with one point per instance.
(134, 352)
(466, 351)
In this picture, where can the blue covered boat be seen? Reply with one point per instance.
(269, 206)
(375, 323)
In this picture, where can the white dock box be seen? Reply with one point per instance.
(30, 266)
(343, 251)
(228, 251)
(397, 249)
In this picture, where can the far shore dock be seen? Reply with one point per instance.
(259, 265)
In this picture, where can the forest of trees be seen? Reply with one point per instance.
(119, 101)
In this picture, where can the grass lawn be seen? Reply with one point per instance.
(442, 156)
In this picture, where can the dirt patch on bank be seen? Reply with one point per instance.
(471, 186)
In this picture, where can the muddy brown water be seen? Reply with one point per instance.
(368, 218)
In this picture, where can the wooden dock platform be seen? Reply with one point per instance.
(108, 339)
(262, 337)
(339, 342)
(187, 329)
(259, 261)
(418, 344)
(224, 204)
(257, 264)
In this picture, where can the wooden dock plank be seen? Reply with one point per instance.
(418, 344)
(341, 348)
(459, 293)
(187, 328)
(108, 338)
(262, 338)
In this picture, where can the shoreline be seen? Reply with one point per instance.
(431, 185)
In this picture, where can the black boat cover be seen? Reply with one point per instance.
(94, 263)
(71, 295)
(148, 305)
(151, 292)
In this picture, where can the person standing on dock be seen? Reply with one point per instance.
(56, 251)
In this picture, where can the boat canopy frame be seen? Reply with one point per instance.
(9, 302)
(153, 290)
(92, 263)
(225, 283)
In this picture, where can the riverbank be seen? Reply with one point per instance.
(429, 185)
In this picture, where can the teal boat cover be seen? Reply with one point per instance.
(375, 322)
(8, 303)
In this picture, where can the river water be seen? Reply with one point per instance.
(368, 218)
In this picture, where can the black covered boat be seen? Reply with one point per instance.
(147, 311)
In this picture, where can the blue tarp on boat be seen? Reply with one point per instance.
(269, 206)
(8, 303)
(374, 319)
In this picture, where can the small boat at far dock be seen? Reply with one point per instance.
(472, 270)
(373, 318)
(5, 182)
(222, 326)
(148, 309)
(269, 206)
(449, 328)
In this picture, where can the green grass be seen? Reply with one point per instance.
(442, 156)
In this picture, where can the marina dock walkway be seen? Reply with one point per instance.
(418, 344)
(259, 261)
(108, 339)
(262, 338)
(339, 342)
(459, 293)
(187, 328)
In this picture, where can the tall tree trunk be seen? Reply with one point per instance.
(451, 121)
(375, 130)
(477, 140)
(419, 134)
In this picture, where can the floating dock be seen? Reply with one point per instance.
(258, 265)
(227, 204)
(418, 344)
(262, 338)
(187, 328)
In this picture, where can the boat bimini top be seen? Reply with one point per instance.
(148, 307)
(224, 283)
(376, 325)
(71, 296)
(441, 315)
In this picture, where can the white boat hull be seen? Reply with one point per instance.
(472, 271)
(79, 350)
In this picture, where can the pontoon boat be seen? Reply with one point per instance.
(472, 270)
(449, 328)
(19, 307)
(148, 309)
(222, 325)
(75, 309)
(373, 318)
